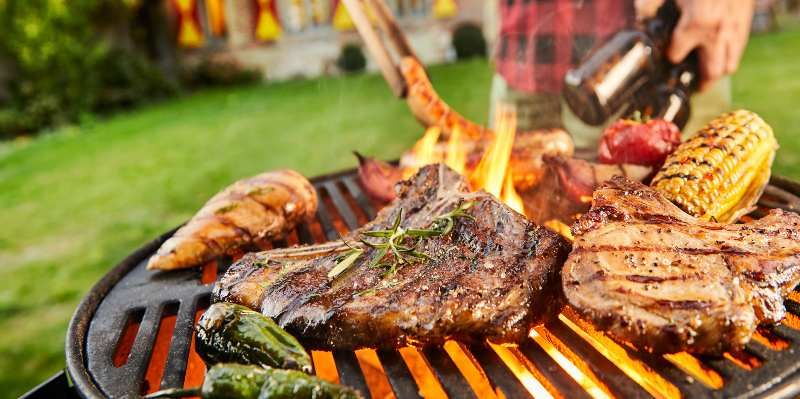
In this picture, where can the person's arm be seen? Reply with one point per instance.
(718, 29)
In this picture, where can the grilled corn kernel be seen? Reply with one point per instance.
(720, 173)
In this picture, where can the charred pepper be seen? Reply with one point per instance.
(223, 381)
(292, 384)
(233, 333)
(236, 381)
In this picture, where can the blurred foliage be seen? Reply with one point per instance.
(351, 59)
(468, 41)
(211, 72)
(126, 78)
(60, 62)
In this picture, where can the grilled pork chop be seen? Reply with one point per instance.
(493, 276)
(650, 274)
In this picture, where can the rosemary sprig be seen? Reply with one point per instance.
(344, 261)
(444, 223)
(225, 209)
(398, 243)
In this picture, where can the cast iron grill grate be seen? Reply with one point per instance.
(133, 334)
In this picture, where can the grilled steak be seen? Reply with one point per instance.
(493, 276)
(648, 273)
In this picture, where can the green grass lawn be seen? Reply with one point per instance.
(768, 82)
(77, 201)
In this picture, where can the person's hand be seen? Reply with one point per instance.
(646, 8)
(718, 29)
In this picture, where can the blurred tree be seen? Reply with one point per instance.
(468, 41)
(351, 59)
(64, 58)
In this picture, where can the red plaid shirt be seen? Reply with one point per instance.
(540, 40)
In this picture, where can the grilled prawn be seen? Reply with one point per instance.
(262, 207)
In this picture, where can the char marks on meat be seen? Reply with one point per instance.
(493, 276)
(650, 274)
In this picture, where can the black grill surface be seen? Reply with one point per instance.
(130, 294)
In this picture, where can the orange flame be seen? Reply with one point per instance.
(492, 173)
(521, 370)
(456, 157)
(768, 338)
(646, 377)
(510, 196)
(425, 150)
(421, 372)
(794, 295)
(743, 359)
(471, 369)
(375, 376)
(560, 228)
(570, 363)
(325, 366)
(695, 368)
(792, 321)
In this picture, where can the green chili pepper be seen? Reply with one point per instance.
(292, 384)
(237, 381)
(224, 381)
(233, 333)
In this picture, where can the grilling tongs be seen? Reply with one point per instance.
(404, 72)
(377, 47)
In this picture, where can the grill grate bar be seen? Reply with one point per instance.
(555, 375)
(304, 235)
(342, 206)
(687, 385)
(361, 199)
(175, 369)
(104, 348)
(792, 307)
(396, 371)
(142, 347)
(726, 368)
(350, 371)
(607, 372)
(499, 375)
(454, 384)
(324, 218)
(777, 365)
(758, 349)
(787, 332)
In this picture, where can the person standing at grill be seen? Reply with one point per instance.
(540, 40)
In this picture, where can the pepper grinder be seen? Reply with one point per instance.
(611, 74)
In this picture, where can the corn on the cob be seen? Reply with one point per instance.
(720, 173)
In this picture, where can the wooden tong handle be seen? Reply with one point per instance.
(375, 44)
(389, 26)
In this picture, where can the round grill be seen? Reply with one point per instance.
(132, 334)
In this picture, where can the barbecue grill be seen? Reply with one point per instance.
(133, 334)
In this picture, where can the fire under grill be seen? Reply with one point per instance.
(133, 334)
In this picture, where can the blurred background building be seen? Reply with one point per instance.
(290, 38)
(62, 61)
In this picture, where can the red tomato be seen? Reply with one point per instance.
(640, 143)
